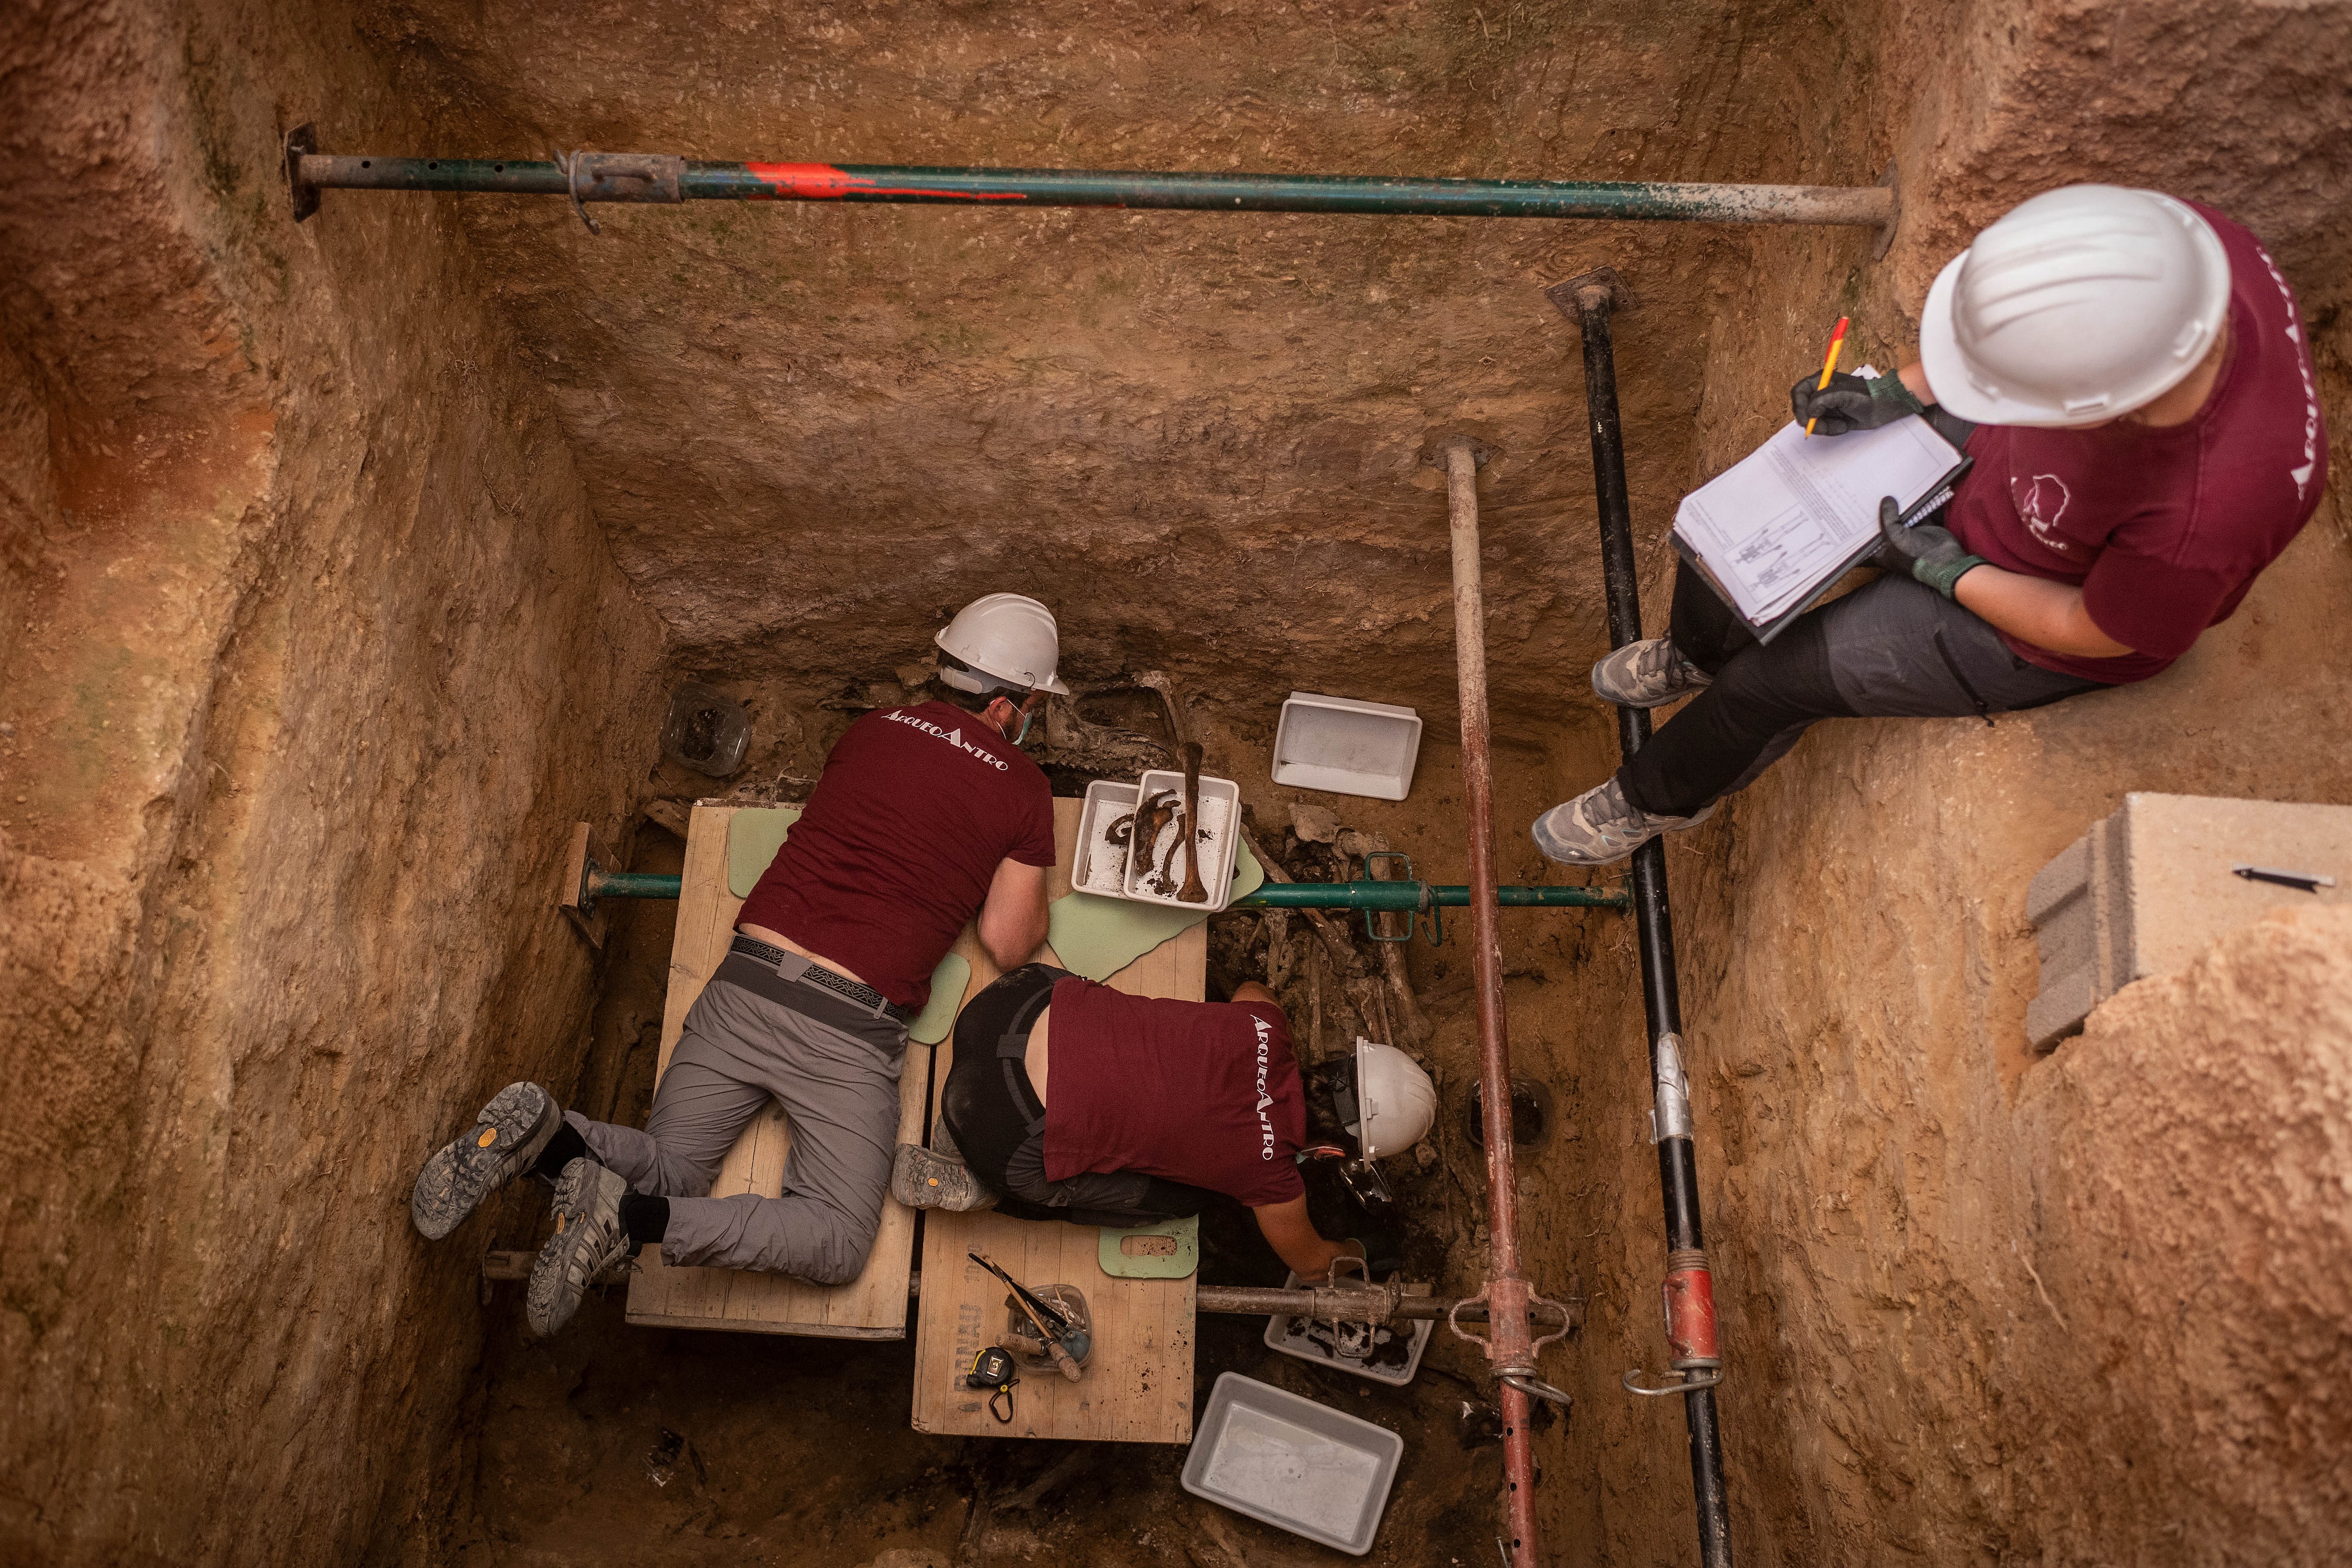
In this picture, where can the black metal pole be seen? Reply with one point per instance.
(1690, 1311)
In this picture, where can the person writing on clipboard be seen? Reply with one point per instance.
(2131, 377)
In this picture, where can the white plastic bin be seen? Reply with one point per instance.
(1096, 866)
(1217, 851)
(1294, 1464)
(1346, 746)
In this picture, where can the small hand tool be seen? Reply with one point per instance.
(1051, 1326)
(1193, 891)
(994, 1370)
(1021, 1289)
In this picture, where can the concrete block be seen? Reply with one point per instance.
(2152, 886)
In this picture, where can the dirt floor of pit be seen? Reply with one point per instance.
(673, 1446)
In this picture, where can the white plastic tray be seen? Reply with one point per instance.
(1294, 1464)
(1106, 802)
(1216, 853)
(1289, 1335)
(1346, 746)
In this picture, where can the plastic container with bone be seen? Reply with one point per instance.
(1153, 849)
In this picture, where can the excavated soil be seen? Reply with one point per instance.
(345, 565)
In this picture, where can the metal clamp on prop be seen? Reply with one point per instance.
(619, 177)
(1691, 1386)
(1693, 1354)
(1425, 912)
(1521, 1375)
(1670, 1118)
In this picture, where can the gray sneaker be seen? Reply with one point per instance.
(503, 1143)
(1600, 827)
(588, 1244)
(924, 1179)
(1648, 674)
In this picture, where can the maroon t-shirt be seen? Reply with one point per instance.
(2165, 529)
(916, 809)
(1205, 1093)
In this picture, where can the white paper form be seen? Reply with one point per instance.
(1775, 524)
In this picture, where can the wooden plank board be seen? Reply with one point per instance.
(871, 1306)
(1139, 1380)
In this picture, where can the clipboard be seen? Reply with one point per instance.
(1938, 495)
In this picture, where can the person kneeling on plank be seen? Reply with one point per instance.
(926, 815)
(2132, 378)
(1070, 1101)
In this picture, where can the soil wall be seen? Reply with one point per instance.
(330, 558)
(309, 654)
(1981, 1306)
(1198, 436)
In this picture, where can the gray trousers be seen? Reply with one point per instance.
(1892, 649)
(838, 1084)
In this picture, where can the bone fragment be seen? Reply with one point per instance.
(1313, 823)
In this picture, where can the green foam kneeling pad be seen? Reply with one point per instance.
(754, 834)
(1116, 1261)
(939, 1014)
(1098, 937)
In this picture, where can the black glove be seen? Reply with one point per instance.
(1923, 551)
(1850, 403)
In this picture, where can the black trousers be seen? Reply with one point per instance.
(1893, 648)
(991, 1112)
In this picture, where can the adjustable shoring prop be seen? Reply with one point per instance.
(664, 178)
(1689, 1287)
(1510, 1347)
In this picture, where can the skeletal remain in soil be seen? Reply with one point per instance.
(1073, 741)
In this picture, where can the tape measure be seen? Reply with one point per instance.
(994, 1369)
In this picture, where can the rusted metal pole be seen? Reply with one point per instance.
(1361, 1305)
(1510, 1348)
(1376, 1304)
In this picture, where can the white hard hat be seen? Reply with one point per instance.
(2078, 306)
(1007, 637)
(1395, 1103)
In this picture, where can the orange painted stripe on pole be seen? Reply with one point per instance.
(1829, 367)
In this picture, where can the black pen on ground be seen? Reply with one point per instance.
(2306, 881)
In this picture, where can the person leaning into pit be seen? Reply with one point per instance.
(925, 815)
(2131, 375)
(1070, 1101)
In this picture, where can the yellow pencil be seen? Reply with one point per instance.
(1828, 365)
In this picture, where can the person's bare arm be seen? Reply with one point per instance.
(1293, 1236)
(1012, 917)
(2036, 610)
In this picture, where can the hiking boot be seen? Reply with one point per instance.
(924, 1179)
(943, 1141)
(1647, 674)
(505, 1141)
(1600, 827)
(590, 1242)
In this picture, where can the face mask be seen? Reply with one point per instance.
(1028, 717)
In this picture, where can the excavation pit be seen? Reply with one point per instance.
(350, 560)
